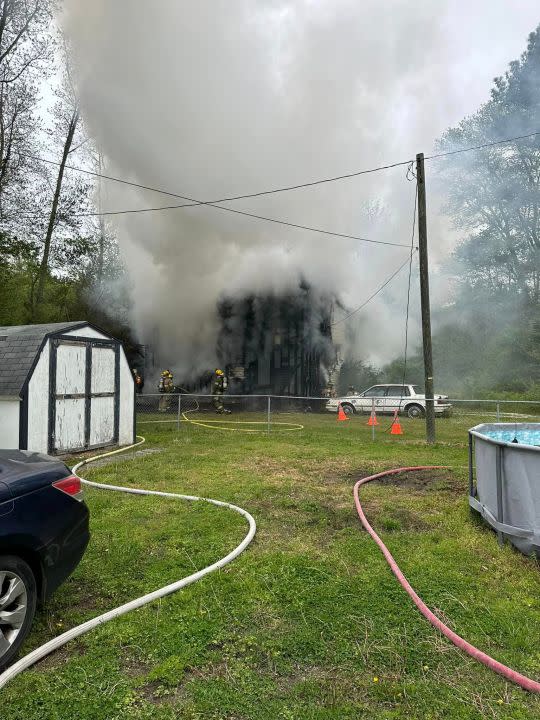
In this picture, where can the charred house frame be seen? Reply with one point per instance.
(277, 345)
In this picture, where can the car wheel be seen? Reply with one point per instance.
(414, 411)
(348, 409)
(18, 597)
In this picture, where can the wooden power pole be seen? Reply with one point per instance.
(424, 298)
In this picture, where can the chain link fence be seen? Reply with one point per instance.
(274, 413)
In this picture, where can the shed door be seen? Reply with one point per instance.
(102, 395)
(84, 394)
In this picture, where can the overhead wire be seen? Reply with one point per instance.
(409, 286)
(410, 176)
(482, 146)
(272, 191)
(213, 203)
(277, 221)
(193, 202)
(379, 290)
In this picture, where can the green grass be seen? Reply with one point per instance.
(309, 622)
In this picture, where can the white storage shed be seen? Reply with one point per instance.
(64, 387)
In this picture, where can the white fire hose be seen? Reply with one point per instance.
(64, 638)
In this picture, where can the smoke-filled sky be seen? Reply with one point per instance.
(211, 99)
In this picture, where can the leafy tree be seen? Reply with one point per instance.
(488, 338)
(358, 374)
(494, 193)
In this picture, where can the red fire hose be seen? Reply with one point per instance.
(524, 682)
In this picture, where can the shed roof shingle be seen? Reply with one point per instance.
(18, 347)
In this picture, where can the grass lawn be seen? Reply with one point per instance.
(309, 623)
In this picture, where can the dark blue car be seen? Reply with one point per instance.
(43, 536)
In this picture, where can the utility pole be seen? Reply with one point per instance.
(424, 298)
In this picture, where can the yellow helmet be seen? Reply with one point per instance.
(219, 372)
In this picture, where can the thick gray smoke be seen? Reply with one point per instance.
(211, 99)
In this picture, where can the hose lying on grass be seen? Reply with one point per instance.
(233, 424)
(515, 677)
(64, 638)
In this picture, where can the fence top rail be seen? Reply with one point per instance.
(309, 397)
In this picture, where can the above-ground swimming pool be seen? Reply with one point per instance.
(505, 489)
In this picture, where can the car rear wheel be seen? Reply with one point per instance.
(18, 597)
(348, 409)
(414, 411)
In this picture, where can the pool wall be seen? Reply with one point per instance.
(505, 489)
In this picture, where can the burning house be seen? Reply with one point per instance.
(280, 345)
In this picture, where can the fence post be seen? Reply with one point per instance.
(179, 411)
(268, 411)
(498, 412)
(373, 419)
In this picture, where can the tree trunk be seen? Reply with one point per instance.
(44, 267)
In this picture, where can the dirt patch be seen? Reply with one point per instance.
(133, 666)
(395, 519)
(156, 693)
(422, 480)
(60, 657)
(329, 471)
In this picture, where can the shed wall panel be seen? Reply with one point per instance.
(126, 433)
(103, 360)
(69, 425)
(9, 423)
(101, 420)
(38, 403)
(70, 369)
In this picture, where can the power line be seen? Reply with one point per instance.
(277, 221)
(195, 202)
(213, 203)
(484, 145)
(409, 289)
(231, 210)
(370, 298)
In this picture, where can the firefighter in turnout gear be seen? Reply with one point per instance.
(219, 385)
(139, 383)
(166, 386)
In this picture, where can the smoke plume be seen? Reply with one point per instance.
(217, 99)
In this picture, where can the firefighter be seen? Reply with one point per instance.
(138, 381)
(219, 384)
(166, 386)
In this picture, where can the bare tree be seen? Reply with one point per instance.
(25, 49)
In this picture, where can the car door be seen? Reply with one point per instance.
(395, 397)
(374, 396)
(6, 499)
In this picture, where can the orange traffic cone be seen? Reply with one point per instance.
(396, 426)
(373, 419)
(340, 414)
